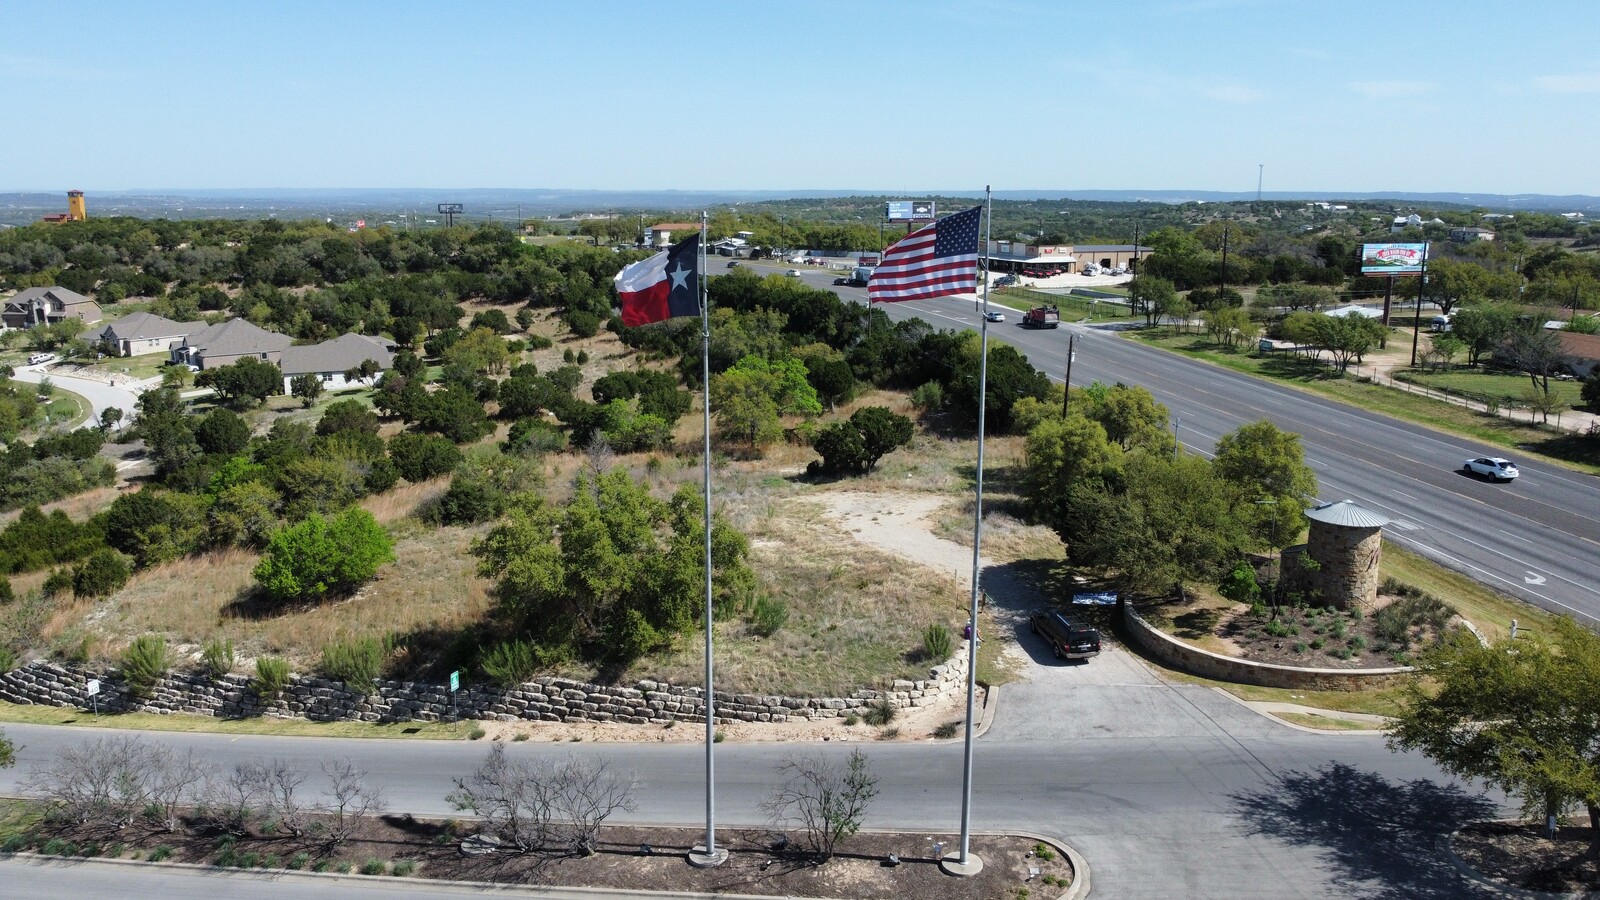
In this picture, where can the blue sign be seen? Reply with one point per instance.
(1098, 599)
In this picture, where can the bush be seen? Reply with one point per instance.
(880, 713)
(272, 676)
(357, 663)
(936, 642)
(373, 866)
(57, 583)
(8, 659)
(160, 853)
(103, 573)
(298, 861)
(144, 663)
(1240, 585)
(947, 729)
(420, 457)
(404, 867)
(768, 616)
(929, 397)
(317, 557)
(510, 663)
(468, 501)
(477, 733)
(216, 659)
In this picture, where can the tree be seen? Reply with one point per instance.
(249, 379)
(1130, 415)
(243, 515)
(1524, 719)
(1591, 391)
(751, 397)
(826, 800)
(420, 457)
(1453, 282)
(222, 432)
(102, 574)
(347, 415)
(1268, 465)
(109, 418)
(306, 387)
(454, 413)
(319, 557)
(1152, 297)
(1534, 351)
(1482, 328)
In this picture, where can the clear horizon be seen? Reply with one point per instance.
(1443, 97)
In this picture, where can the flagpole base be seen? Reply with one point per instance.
(953, 866)
(700, 859)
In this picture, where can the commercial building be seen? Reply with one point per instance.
(1044, 260)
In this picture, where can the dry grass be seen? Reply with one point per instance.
(55, 715)
(404, 500)
(78, 507)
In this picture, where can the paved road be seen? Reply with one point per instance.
(101, 396)
(1537, 538)
(1169, 790)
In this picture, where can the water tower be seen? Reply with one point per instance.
(75, 209)
(1346, 542)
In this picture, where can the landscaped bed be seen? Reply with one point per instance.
(1518, 854)
(397, 845)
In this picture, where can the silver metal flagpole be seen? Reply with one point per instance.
(708, 855)
(968, 863)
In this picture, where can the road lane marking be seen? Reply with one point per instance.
(1533, 578)
(1404, 494)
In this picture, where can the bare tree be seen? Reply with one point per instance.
(278, 784)
(173, 780)
(231, 799)
(824, 799)
(353, 801)
(1536, 352)
(96, 782)
(585, 795)
(511, 797)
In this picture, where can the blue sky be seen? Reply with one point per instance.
(881, 96)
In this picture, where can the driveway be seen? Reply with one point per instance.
(103, 392)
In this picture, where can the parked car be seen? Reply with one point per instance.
(1068, 637)
(793, 273)
(1491, 467)
(995, 315)
(41, 358)
(1005, 281)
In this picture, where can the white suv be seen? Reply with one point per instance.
(1491, 467)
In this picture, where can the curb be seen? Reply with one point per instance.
(1078, 889)
(991, 703)
(1447, 844)
(1332, 714)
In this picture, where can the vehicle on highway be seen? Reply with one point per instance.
(733, 264)
(793, 273)
(1491, 467)
(840, 281)
(1068, 637)
(995, 315)
(1042, 317)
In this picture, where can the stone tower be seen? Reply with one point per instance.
(1346, 541)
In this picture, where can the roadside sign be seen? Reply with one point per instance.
(1095, 599)
(93, 687)
(455, 681)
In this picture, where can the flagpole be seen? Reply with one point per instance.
(708, 855)
(968, 863)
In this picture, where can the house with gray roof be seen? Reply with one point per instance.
(48, 305)
(228, 342)
(140, 333)
(330, 360)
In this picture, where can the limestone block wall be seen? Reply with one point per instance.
(1188, 658)
(546, 700)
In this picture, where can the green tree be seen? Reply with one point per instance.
(454, 413)
(1523, 719)
(306, 387)
(1062, 455)
(1268, 466)
(102, 574)
(347, 415)
(243, 515)
(1151, 297)
(222, 431)
(420, 457)
(321, 557)
(1482, 328)
(750, 399)
(1130, 415)
(155, 526)
(248, 380)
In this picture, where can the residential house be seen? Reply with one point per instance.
(330, 360)
(1582, 351)
(661, 235)
(140, 333)
(1401, 223)
(1468, 235)
(228, 342)
(48, 305)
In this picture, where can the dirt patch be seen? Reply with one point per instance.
(760, 861)
(1517, 854)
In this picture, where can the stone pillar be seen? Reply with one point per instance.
(1348, 559)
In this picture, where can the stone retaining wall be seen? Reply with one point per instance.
(1189, 658)
(546, 700)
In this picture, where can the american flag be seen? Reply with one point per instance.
(934, 261)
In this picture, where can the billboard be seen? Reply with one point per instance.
(910, 210)
(1393, 259)
(452, 208)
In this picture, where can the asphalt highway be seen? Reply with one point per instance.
(1537, 538)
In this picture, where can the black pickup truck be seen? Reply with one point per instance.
(1069, 638)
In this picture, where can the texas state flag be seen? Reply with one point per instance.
(663, 286)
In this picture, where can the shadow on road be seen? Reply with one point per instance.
(1382, 836)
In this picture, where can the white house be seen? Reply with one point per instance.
(330, 360)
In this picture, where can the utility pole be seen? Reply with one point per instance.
(1133, 286)
(1067, 394)
(1261, 169)
(1416, 323)
(1222, 274)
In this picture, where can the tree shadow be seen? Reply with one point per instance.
(1383, 837)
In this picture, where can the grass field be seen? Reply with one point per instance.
(1504, 386)
(1073, 309)
(52, 715)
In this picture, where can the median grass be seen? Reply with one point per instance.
(54, 715)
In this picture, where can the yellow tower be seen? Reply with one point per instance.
(75, 210)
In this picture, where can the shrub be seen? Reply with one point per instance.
(14, 843)
(103, 573)
(880, 713)
(57, 583)
(928, 397)
(1299, 647)
(1240, 585)
(144, 662)
(468, 501)
(768, 616)
(718, 737)
(317, 557)
(477, 733)
(357, 663)
(272, 676)
(1043, 851)
(57, 847)
(510, 663)
(298, 861)
(936, 641)
(160, 853)
(373, 866)
(852, 720)
(8, 659)
(216, 659)
(404, 867)
(947, 729)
